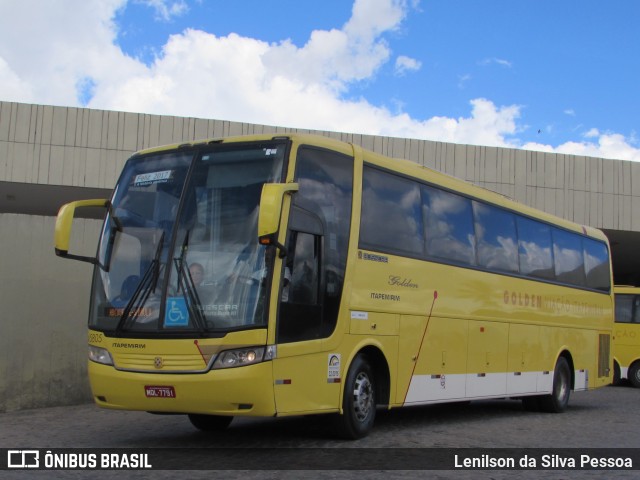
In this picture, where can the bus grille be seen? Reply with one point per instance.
(160, 363)
(604, 353)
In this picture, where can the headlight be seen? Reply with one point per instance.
(100, 355)
(243, 356)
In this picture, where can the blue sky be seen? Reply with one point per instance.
(558, 76)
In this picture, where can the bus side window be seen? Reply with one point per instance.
(534, 248)
(305, 273)
(626, 305)
(301, 306)
(596, 264)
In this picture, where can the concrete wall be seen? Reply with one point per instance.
(45, 299)
(87, 148)
(43, 333)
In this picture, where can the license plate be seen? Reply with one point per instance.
(152, 391)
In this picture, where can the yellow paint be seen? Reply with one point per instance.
(626, 336)
(64, 221)
(423, 319)
(271, 206)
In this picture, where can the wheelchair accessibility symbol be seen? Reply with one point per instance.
(176, 313)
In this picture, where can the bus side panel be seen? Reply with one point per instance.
(626, 332)
(408, 353)
(487, 359)
(583, 348)
(524, 359)
(626, 345)
(441, 366)
(304, 381)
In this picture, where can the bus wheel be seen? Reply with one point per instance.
(359, 402)
(209, 423)
(559, 399)
(633, 374)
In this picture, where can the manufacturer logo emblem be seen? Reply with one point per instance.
(158, 362)
(23, 459)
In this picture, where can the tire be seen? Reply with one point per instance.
(633, 374)
(559, 399)
(359, 401)
(209, 423)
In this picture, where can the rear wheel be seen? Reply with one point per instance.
(359, 402)
(209, 423)
(633, 374)
(559, 399)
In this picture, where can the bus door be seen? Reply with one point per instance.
(300, 369)
(306, 372)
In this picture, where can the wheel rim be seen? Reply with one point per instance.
(362, 397)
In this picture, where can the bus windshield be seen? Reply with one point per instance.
(179, 252)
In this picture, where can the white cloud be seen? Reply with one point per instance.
(597, 144)
(165, 10)
(73, 59)
(605, 145)
(68, 41)
(12, 87)
(463, 80)
(498, 61)
(406, 64)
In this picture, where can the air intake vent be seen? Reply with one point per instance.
(604, 353)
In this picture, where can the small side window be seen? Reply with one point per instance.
(624, 308)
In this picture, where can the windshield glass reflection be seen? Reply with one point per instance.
(186, 259)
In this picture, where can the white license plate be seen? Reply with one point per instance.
(152, 391)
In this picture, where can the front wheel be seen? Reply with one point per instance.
(209, 423)
(359, 401)
(633, 374)
(559, 399)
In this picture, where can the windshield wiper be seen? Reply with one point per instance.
(147, 285)
(185, 284)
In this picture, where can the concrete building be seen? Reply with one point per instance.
(52, 155)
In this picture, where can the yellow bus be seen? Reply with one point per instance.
(294, 275)
(626, 335)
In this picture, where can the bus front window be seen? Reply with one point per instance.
(134, 247)
(217, 236)
(182, 254)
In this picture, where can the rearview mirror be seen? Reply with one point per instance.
(271, 210)
(64, 222)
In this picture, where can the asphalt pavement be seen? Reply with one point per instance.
(606, 418)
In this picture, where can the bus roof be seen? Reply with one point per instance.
(402, 166)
